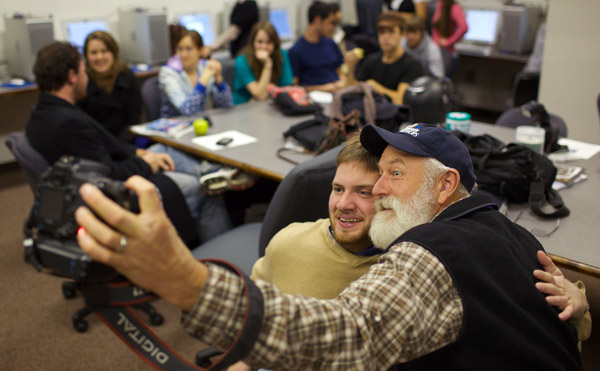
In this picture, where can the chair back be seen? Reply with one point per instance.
(151, 96)
(448, 59)
(30, 160)
(514, 117)
(302, 196)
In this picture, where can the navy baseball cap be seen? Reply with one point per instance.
(423, 140)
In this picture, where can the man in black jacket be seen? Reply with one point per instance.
(58, 127)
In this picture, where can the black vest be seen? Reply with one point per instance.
(507, 324)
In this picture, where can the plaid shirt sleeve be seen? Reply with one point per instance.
(406, 306)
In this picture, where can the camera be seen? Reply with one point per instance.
(51, 229)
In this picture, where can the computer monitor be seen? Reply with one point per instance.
(144, 36)
(280, 20)
(483, 26)
(201, 23)
(25, 36)
(77, 30)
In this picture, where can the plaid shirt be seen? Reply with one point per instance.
(406, 306)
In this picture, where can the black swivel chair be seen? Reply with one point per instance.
(151, 96)
(302, 196)
(514, 117)
(30, 160)
(34, 164)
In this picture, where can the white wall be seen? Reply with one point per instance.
(570, 80)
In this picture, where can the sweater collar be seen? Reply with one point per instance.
(369, 251)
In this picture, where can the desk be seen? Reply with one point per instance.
(258, 119)
(485, 81)
(576, 243)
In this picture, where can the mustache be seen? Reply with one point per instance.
(387, 202)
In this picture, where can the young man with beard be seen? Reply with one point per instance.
(322, 258)
(391, 70)
(454, 288)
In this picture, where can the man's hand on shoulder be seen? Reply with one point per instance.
(561, 292)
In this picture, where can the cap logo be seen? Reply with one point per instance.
(411, 130)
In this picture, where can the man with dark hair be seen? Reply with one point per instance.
(391, 70)
(419, 44)
(58, 127)
(315, 57)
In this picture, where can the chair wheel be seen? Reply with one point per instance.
(156, 319)
(80, 325)
(68, 292)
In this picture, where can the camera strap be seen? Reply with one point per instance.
(119, 316)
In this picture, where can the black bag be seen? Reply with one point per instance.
(515, 172)
(309, 132)
(290, 107)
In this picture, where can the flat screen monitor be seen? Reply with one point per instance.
(77, 31)
(201, 23)
(280, 20)
(483, 26)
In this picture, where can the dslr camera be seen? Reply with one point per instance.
(51, 229)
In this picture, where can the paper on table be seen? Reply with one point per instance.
(210, 141)
(577, 151)
(323, 97)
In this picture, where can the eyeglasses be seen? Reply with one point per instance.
(536, 231)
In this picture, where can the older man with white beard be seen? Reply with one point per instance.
(453, 290)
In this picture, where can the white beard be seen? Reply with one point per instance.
(387, 226)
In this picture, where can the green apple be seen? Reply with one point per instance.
(200, 126)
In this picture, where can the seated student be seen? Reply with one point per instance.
(113, 93)
(419, 44)
(261, 63)
(184, 91)
(373, 300)
(57, 127)
(316, 59)
(391, 70)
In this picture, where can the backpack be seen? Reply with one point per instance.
(514, 172)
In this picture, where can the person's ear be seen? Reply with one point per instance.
(447, 185)
(72, 78)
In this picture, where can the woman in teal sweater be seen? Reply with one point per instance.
(259, 64)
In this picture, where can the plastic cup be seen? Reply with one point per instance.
(531, 137)
(458, 121)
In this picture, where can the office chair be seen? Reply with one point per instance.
(30, 160)
(302, 196)
(151, 96)
(514, 117)
(525, 88)
(449, 64)
(34, 164)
